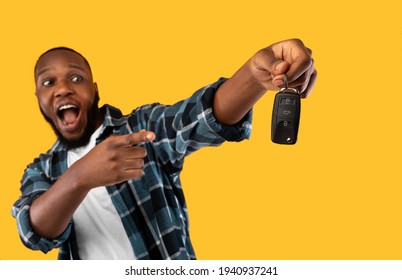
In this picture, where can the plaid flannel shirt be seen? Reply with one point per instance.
(153, 209)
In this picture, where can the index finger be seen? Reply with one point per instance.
(135, 138)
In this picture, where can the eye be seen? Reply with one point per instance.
(47, 83)
(76, 79)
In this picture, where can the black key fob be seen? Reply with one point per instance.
(285, 117)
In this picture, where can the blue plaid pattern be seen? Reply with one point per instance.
(153, 209)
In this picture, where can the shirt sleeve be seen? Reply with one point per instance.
(34, 183)
(189, 125)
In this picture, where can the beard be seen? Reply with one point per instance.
(92, 113)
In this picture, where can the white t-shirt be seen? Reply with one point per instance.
(99, 229)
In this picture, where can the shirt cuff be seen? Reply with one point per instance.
(236, 132)
(33, 240)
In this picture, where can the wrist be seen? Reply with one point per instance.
(249, 76)
(79, 183)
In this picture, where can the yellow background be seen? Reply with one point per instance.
(336, 194)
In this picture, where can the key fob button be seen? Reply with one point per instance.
(287, 101)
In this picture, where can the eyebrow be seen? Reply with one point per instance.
(72, 66)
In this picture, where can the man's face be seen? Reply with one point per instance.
(67, 96)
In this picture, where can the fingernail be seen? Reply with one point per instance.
(149, 136)
(278, 82)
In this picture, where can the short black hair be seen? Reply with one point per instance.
(62, 49)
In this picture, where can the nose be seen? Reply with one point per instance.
(62, 89)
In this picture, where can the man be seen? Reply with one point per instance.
(109, 188)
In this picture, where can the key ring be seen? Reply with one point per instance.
(287, 88)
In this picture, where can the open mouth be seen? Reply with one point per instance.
(68, 114)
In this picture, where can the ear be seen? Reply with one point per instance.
(96, 92)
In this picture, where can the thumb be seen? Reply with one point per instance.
(266, 60)
(280, 67)
(265, 63)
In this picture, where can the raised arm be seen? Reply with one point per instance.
(265, 71)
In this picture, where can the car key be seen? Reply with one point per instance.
(286, 116)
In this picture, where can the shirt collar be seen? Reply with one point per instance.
(112, 116)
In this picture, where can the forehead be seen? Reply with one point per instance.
(60, 59)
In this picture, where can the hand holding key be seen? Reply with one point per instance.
(284, 64)
(269, 66)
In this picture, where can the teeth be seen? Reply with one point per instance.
(67, 106)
